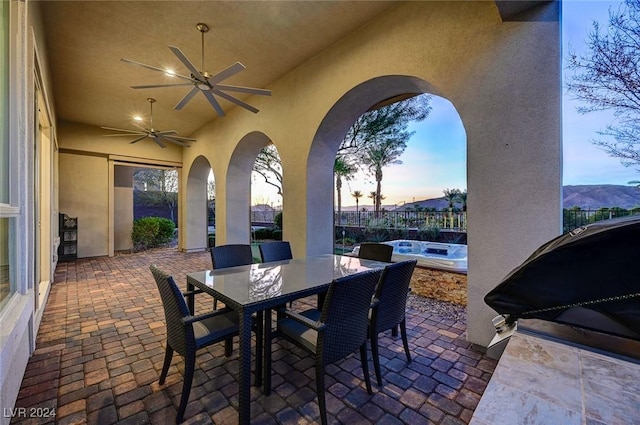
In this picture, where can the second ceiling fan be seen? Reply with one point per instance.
(203, 82)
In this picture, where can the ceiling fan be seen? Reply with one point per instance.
(160, 137)
(204, 82)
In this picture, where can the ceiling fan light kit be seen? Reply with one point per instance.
(202, 81)
(160, 137)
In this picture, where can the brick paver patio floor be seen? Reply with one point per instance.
(100, 349)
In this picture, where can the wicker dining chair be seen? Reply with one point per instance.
(336, 331)
(275, 251)
(375, 251)
(389, 306)
(231, 255)
(186, 334)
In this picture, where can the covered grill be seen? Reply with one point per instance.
(588, 279)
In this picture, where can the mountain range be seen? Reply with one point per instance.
(593, 196)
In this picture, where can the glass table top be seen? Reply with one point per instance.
(258, 282)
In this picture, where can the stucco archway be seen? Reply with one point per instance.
(326, 141)
(194, 234)
(238, 189)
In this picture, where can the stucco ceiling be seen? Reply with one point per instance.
(85, 41)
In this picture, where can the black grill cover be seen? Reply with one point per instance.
(593, 263)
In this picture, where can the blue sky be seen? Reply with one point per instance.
(435, 158)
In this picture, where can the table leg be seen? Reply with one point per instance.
(259, 348)
(244, 371)
(267, 352)
(191, 298)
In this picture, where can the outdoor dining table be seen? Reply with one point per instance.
(258, 288)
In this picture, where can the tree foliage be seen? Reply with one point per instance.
(375, 135)
(380, 154)
(269, 166)
(342, 170)
(160, 187)
(607, 77)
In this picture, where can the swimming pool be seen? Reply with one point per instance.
(436, 255)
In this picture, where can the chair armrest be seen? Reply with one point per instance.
(191, 319)
(318, 326)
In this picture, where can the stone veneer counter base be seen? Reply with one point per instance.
(538, 381)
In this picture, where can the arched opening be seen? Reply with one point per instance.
(331, 132)
(195, 211)
(237, 195)
(267, 195)
(400, 174)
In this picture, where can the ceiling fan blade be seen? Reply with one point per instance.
(119, 129)
(140, 127)
(176, 142)
(226, 73)
(194, 71)
(154, 86)
(159, 140)
(137, 133)
(185, 139)
(235, 100)
(187, 97)
(138, 139)
(164, 133)
(213, 102)
(154, 68)
(239, 89)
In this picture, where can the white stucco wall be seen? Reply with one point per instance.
(502, 77)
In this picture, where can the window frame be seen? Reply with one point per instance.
(12, 210)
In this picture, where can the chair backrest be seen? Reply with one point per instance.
(179, 336)
(392, 295)
(231, 255)
(376, 251)
(345, 314)
(275, 251)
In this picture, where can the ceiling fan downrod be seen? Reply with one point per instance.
(151, 102)
(202, 28)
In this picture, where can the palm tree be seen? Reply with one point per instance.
(342, 170)
(373, 195)
(451, 195)
(382, 154)
(462, 197)
(357, 195)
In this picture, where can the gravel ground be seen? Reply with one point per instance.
(441, 308)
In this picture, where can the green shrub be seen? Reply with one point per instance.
(166, 230)
(150, 232)
(428, 233)
(144, 233)
(263, 234)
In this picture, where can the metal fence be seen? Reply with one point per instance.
(454, 220)
(572, 219)
(403, 219)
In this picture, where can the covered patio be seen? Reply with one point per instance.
(87, 337)
(100, 348)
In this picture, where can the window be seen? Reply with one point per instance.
(8, 213)
(4, 102)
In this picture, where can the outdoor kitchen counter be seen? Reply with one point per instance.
(539, 381)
